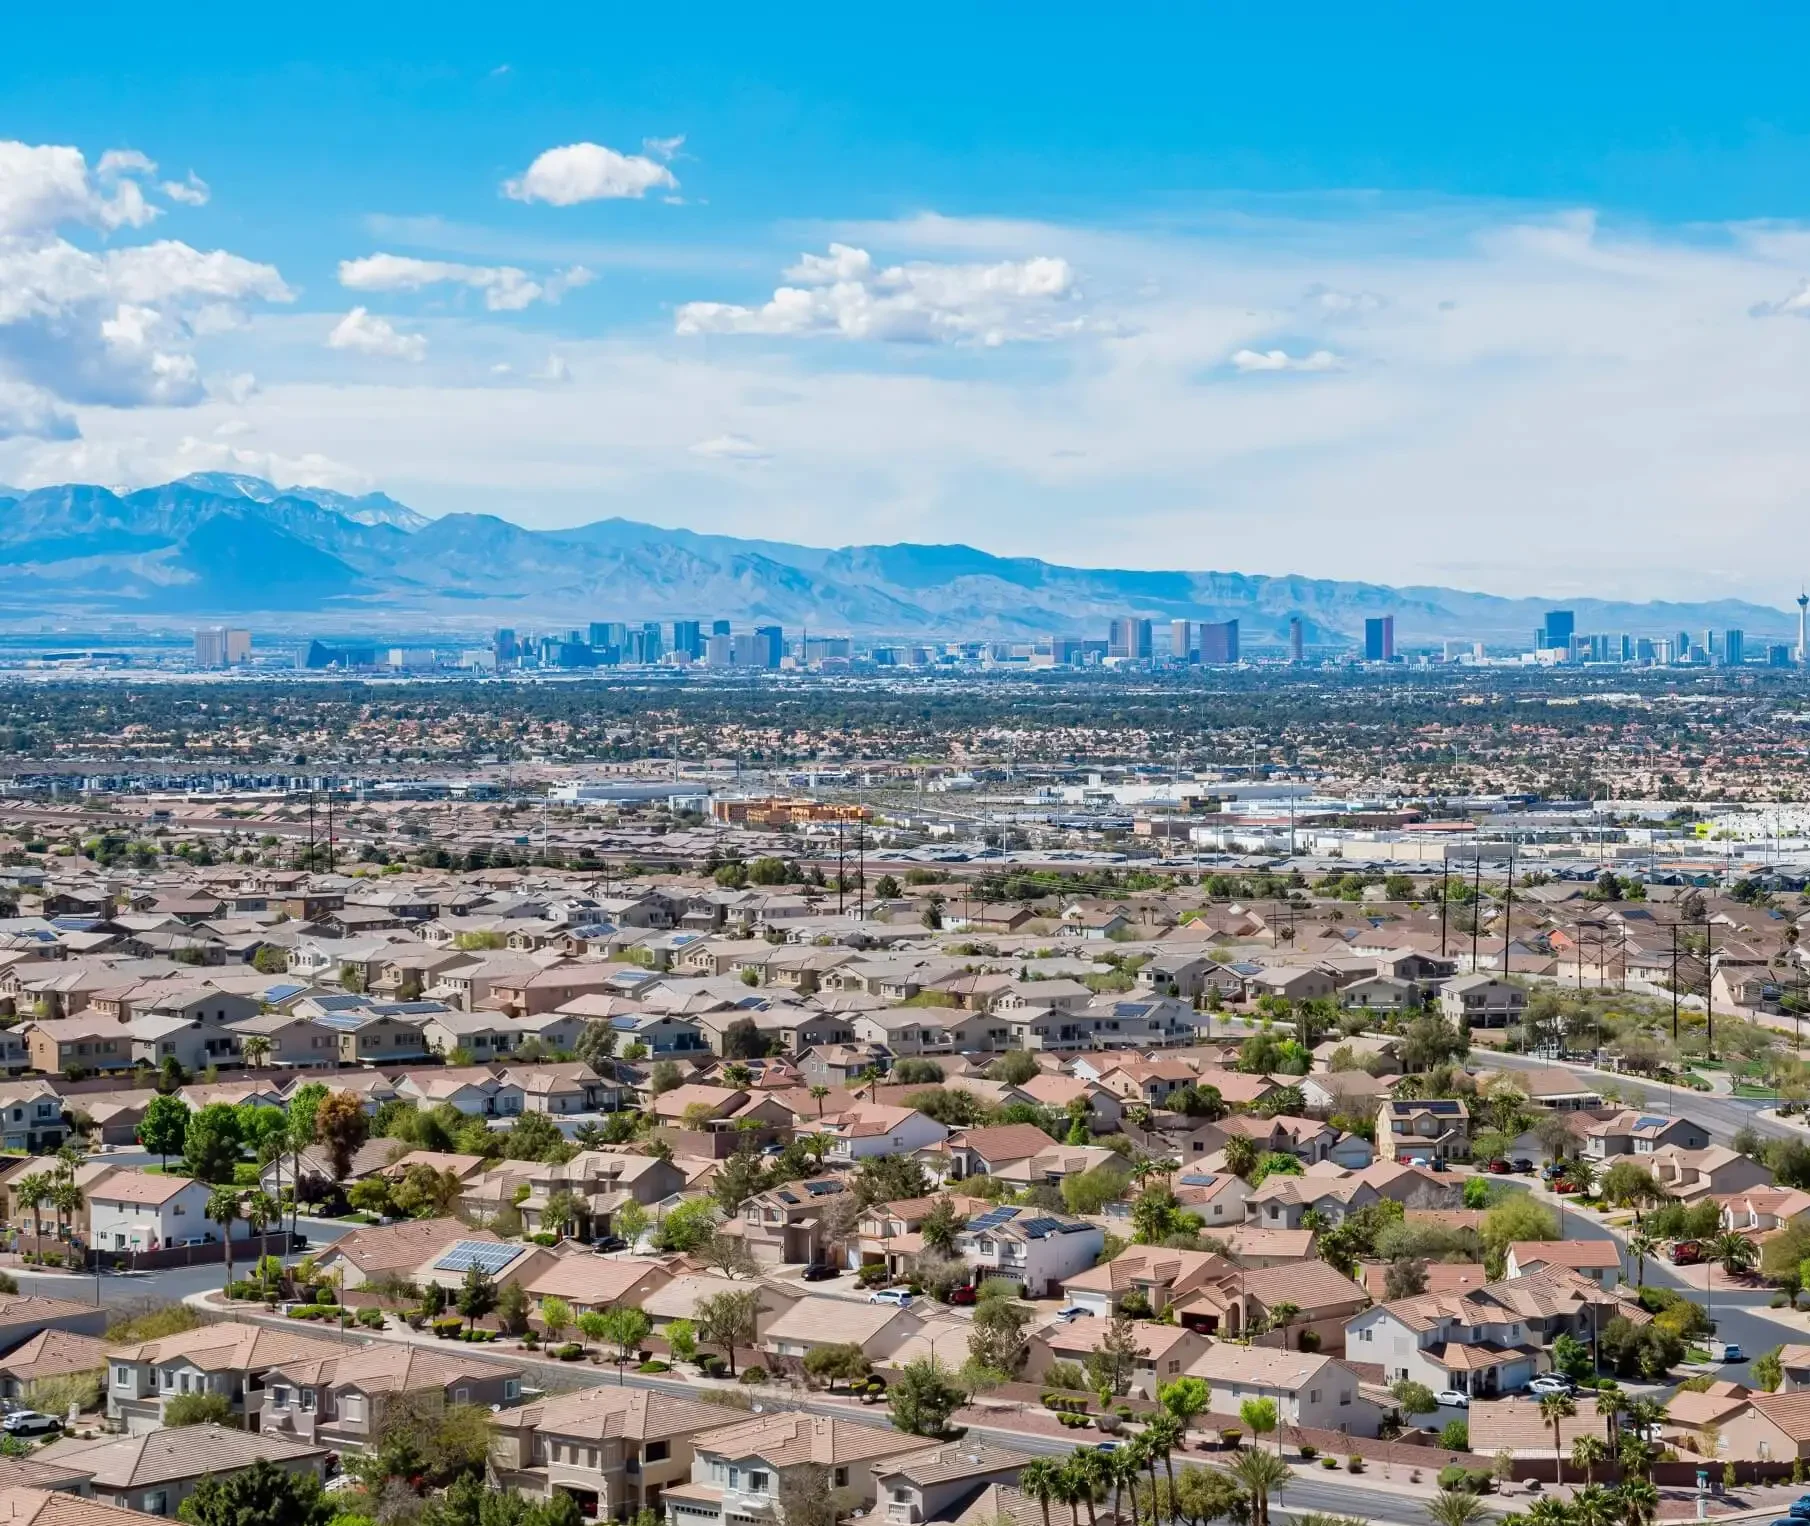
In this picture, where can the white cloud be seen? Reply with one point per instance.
(193, 192)
(730, 447)
(309, 468)
(579, 172)
(43, 186)
(34, 413)
(1332, 303)
(368, 335)
(124, 161)
(1281, 360)
(240, 387)
(664, 148)
(505, 288)
(1796, 305)
(842, 293)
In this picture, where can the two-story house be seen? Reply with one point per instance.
(736, 1471)
(785, 1225)
(229, 1359)
(338, 1400)
(138, 1211)
(1482, 1001)
(932, 1485)
(1640, 1134)
(1033, 1247)
(1411, 1133)
(868, 1129)
(615, 1451)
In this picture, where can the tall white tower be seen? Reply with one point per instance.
(1803, 628)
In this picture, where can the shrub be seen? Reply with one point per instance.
(570, 1352)
(869, 1275)
(1230, 1439)
(248, 1289)
(1309, 1451)
(306, 1311)
(1330, 1464)
(754, 1374)
(543, 1238)
(1354, 1463)
(655, 1366)
(447, 1326)
(371, 1319)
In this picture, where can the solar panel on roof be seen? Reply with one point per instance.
(819, 1189)
(1040, 1227)
(994, 1217)
(1649, 1123)
(463, 1255)
(1440, 1107)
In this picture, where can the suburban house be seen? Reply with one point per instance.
(870, 1128)
(1599, 1260)
(1164, 1351)
(596, 1283)
(391, 1250)
(1418, 1132)
(615, 1451)
(155, 1471)
(786, 1224)
(338, 1400)
(934, 1485)
(983, 1152)
(736, 1471)
(878, 1329)
(1482, 1001)
(1308, 1390)
(1518, 1427)
(138, 1211)
(228, 1358)
(1691, 1175)
(1632, 1133)
(50, 1354)
(1037, 1249)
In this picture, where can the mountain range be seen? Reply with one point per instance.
(221, 545)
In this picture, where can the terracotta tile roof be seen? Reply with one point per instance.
(1010, 1141)
(167, 1456)
(833, 1321)
(1518, 1426)
(400, 1247)
(785, 1439)
(1577, 1254)
(592, 1414)
(958, 1460)
(229, 1347)
(389, 1368)
(598, 1280)
(1790, 1412)
(26, 1506)
(51, 1353)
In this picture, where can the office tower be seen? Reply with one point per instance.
(719, 627)
(1379, 639)
(652, 647)
(1734, 648)
(775, 644)
(1646, 649)
(1560, 627)
(1778, 655)
(1184, 645)
(1296, 646)
(719, 650)
(1219, 642)
(1803, 629)
(220, 647)
(749, 650)
(1711, 647)
(1682, 648)
(1129, 638)
(503, 644)
(687, 639)
(599, 634)
(1624, 644)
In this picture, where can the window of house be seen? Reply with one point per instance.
(512, 1389)
(157, 1503)
(657, 1451)
(757, 1480)
(308, 1401)
(461, 1396)
(841, 1478)
(352, 1406)
(122, 1376)
(279, 1397)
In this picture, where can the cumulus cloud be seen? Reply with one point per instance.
(505, 288)
(731, 447)
(563, 177)
(312, 468)
(368, 335)
(844, 294)
(1281, 360)
(192, 192)
(43, 186)
(33, 412)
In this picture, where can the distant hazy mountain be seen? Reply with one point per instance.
(219, 544)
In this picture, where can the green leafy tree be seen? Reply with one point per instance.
(1112, 1364)
(210, 1144)
(842, 1362)
(625, 1329)
(304, 1103)
(923, 1397)
(1259, 1416)
(729, 1320)
(682, 1339)
(477, 1294)
(200, 1409)
(257, 1496)
(998, 1340)
(165, 1126)
(941, 1225)
(1768, 1371)
(555, 1316)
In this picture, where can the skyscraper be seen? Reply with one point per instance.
(775, 644)
(1379, 639)
(1556, 633)
(1734, 648)
(687, 639)
(1129, 638)
(504, 646)
(1184, 643)
(719, 627)
(1295, 644)
(1219, 642)
(1803, 629)
(220, 647)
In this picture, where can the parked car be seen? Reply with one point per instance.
(607, 1243)
(1552, 1383)
(897, 1297)
(28, 1422)
(1523, 1165)
(1498, 1167)
(1452, 1397)
(821, 1271)
(1685, 1253)
(1563, 1186)
(1800, 1508)
(1072, 1313)
(963, 1295)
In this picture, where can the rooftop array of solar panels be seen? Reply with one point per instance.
(488, 1257)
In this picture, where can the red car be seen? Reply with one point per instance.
(962, 1295)
(1561, 1186)
(1498, 1167)
(1686, 1253)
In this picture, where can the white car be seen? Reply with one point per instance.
(1452, 1398)
(897, 1297)
(1549, 1383)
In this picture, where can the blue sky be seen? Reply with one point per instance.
(1421, 294)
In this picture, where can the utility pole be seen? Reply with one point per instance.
(1508, 908)
(1476, 904)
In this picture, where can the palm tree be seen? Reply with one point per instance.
(1581, 1174)
(1126, 1463)
(1260, 1473)
(261, 1211)
(818, 1093)
(1549, 1512)
(1735, 1252)
(223, 1208)
(68, 1198)
(256, 1049)
(1586, 1453)
(1455, 1507)
(1240, 1155)
(1281, 1316)
(1640, 1246)
(1090, 1473)
(33, 1192)
(1554, 1410)
(1609, 1402)
(1165, 1433)
(1069, 1489)
(1594, 1505)
(1039, 1480)
(1639, 1501)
